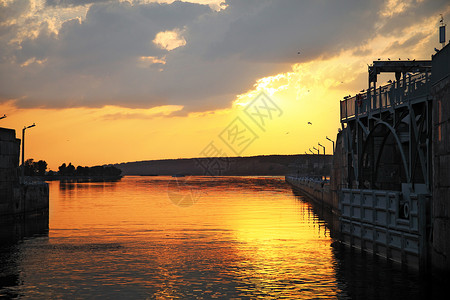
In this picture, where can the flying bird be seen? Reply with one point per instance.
(298, 52)
(309, 123)
(379, 59)
(389, 59)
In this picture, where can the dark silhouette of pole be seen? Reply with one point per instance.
(311, 151)
(317, 150)
(322, 147)
(332, 142)
(23, 147)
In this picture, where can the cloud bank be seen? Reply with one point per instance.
(143, 54)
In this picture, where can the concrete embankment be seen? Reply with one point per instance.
(32, 200)
(18, 199)
(317, 190)
(320, 194)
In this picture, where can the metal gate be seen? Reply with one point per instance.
(390, 224)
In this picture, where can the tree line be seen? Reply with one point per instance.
(70, 170)
(35, 168)
(39, 168)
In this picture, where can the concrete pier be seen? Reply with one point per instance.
(18, 199)
(316, 189)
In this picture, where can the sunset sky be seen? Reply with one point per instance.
(112, 81)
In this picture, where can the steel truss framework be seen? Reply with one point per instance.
(387, 133)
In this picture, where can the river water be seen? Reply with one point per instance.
(189, 238)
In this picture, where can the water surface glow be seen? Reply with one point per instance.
(244, 237)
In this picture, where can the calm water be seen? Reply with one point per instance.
(164, 238)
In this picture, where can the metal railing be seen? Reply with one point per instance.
(390, 95)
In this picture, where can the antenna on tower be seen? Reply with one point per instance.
(442, 31)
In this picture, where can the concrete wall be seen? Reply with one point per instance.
(322, 199)
(9, 163)
(338, 178)
(314, 189)
(324, 195)
(440, 252)
(16, 198)
(311, 165)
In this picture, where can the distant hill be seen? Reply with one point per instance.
(252, 165)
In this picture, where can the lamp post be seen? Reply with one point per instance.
(322, 147)
(2, 117)
(23, 147)
(332, 142)
(316, 150)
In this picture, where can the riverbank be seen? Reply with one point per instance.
(79, 178)
(263, 165)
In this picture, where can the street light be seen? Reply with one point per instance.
(2, 117)
(322, 147)
(23, 147)
(332, 142)
(317, 150)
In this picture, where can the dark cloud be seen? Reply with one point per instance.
(132, 116)
(13, 10)
(9, 28)
(361, 51)
(66, 3)
(96, 61)
(403, 47)
(415, 13)
(281, 29)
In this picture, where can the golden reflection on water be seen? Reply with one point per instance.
(244, 237)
